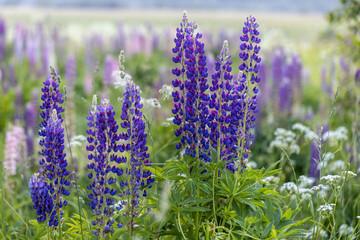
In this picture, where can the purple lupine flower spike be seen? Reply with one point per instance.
(43, 202)
(221, 122)
(2, 39)
(18, 105)
(190, 102)
(102, 148)
(52, 142)
(70, 71)
(134, 142)
(247, 87)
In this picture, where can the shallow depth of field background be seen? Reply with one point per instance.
(304, 66)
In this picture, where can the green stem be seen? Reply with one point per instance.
(180, 226)
(75, 178)
(59, 217)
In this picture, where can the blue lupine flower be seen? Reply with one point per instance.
(134, 142)
(52, 142)
(221, 123)
(104, 164)
(191, 101)
(246, 85)
(43, 203)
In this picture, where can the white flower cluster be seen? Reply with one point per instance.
(337, 166)
(331, 179)
(305, 193)
(326, 208)
(285, 139)
(350, 174)
(152, 102)
(322, 190)
(167, 122)
(334, 137)
(166, 91)
(77, 140)
(305, 181)
(313, 231)
(289, 187)
(309, 135)
(326, 158)
(271, 180)
(345, 230)
(252, 164)
(119, 80)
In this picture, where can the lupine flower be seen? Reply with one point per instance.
(223, 124)
(15, 149)
(110, 65)
(357, 77)
(88, 84)
(43, 202)
(12, 76)
(134, 142)
(2, 39)
(246, 86)
(70, 70)
(5, 84)
(52, 143)
(102, 146)
(19, 41)
(190, 102)
(18, 115)
(31, 117)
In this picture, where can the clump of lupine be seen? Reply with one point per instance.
(104, 143)
(232, 103)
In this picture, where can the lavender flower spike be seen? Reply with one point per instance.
(102, 146)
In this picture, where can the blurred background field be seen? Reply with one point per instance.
(304, 66)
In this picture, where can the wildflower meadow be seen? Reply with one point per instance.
(181, 132)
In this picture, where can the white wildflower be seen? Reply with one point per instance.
(331, 179)
(165, 124)
(77, 140)
(305, 193)
(334, 137)
(271, 180)
(252, 164)
(350, 174)
(326, 158)
(309, 135)
(152, 102)
(289, 187)
(313, 231)
(326, 209)
(336, 166)
(322, 190)
(119, 80)
(305, 181)
(285, 139)
(345, 230)
(166, 91)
